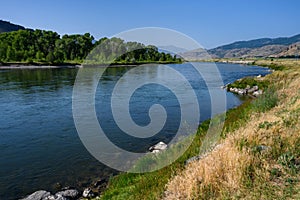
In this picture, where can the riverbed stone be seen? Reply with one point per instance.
(71, 193)
(87, 193)
(56, 197)
(158, 147)
(38, 195)
(257, 93)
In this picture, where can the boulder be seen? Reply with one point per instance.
(241, 92)
(158, 147)
(255, 88)
(38, 195)
(70, 193)
(87, 193)
(257, 93)
(55, 197)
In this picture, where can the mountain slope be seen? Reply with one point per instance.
(8, 27)
(290, 51)
(264, 47)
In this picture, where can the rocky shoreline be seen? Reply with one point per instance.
(70, 193)
(93, 191)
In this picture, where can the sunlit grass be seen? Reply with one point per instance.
(259, 157)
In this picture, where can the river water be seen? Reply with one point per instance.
(39, 144)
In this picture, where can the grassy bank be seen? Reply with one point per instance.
(257, 157)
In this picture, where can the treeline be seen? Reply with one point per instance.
(39, 46)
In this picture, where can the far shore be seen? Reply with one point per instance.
(37, 66)
(73, 65)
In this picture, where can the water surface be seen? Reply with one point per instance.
(39, 144)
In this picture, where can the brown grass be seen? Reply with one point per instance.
(238, 168)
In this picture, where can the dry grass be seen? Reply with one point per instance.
(260, 160)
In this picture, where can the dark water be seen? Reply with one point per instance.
(39, 144)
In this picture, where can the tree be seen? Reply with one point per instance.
(50, 57)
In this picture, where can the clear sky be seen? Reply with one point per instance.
(210, 22)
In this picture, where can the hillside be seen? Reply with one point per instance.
(290, 51)
(265, 47)
(8, 27)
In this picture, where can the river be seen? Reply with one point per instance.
(39, 144)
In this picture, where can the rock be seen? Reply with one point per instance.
(251, 90)
(158, 147)
(241, 92)
(155, 151)
(87, 193)
(55, 197)
(257, 93)
(224, 87)
(255, 88)
(38, 195)
(71, 193)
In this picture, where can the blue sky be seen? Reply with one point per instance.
(210, 22)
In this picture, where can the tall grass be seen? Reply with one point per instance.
(259, 156)
(268, 100)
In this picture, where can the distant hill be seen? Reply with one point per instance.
(265, 47)
(291, 51)
(8, 27)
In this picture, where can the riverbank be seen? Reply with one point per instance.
(25, 65)
(258, 154)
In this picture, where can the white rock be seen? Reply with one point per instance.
(255, 87)
(158, 147)
(155, 151)
(71, 193)
(38, 195)
(257, 93)
(55, 197)
(88, 193)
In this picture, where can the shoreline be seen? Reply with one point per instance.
(39, 66)
(73, 65)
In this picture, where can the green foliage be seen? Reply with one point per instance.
(116, 51)
(248, 81)
(48, 47)
(267, 101)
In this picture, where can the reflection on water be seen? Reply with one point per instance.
(39, 144)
